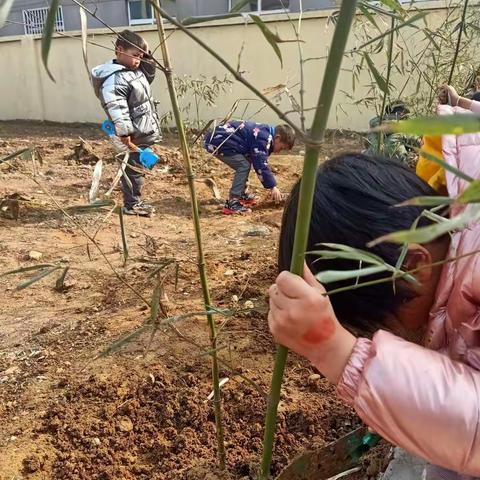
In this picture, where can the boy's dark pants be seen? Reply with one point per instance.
(242, 169)
(132, 194)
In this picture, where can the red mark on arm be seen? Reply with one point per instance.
(322, 331)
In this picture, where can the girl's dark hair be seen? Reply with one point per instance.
(355, 202)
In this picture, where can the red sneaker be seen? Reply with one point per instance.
(234, 207)
(247, 199)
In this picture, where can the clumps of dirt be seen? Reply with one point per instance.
(83, 152)
(32, 463)
(150, 425)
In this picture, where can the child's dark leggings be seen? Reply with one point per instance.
(132, 193)
(242, 169)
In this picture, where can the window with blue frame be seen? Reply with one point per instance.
(140, 12)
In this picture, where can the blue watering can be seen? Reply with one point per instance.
(147, 157)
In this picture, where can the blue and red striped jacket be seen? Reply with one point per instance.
(253, 140)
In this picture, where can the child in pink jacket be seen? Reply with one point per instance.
(417, 380)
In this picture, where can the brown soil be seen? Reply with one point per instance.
(142, 412)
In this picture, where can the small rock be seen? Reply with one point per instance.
(258, 232)
(235, 298)
(282, 407)
(125, 424)
(34, 255)
(229, 273)
(96, 441)
(248, 304)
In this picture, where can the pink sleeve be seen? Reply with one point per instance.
(417, 399)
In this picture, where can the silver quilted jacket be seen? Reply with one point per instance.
(126, 97)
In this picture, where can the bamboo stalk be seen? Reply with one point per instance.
(459, 41)
(307, 188)
(198, 233)
(123, 235)
(389, 69)
(386, 94)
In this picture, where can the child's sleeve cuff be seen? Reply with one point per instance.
(352, 375)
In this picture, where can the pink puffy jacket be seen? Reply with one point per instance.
(427, 400)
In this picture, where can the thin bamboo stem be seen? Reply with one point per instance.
(459, 41)
(386, 94)
(302, 68)
(198, 232)
(389, 70)
(123, 235)
(307, 188)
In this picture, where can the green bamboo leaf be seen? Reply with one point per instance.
(346, 248)
(368, 15)
(18, 153)
(427, 201)
(402, 256)
(409, 22)
(208, 18)
(330, 276)
(48, 29)
(432, 232)
(472, 25)
(27, 269)
(432, 40)
(331, 255)
(356, 255)
(125, 339)
(5, 8)
(238, 7)
(91, 206)
(272, 38)
(471, 194)
(84, 27)
(394, 5)
(420, 235)
(456, 124)
(447, 166)
(377, 9)
(36, 278)
(60, 283)
(155, 303)
(381, 82)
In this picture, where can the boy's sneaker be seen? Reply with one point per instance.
(234, 207)
(145, 206)
(137, 209)
(247, 199)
